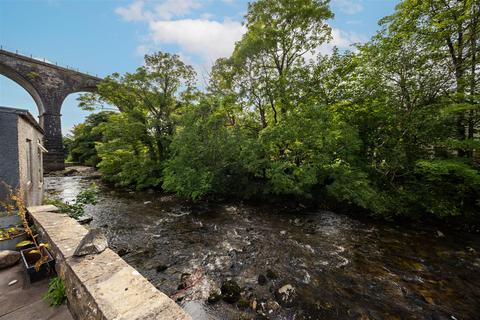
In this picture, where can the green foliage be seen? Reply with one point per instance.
(55, 295)
(206, 157)
(449, 187)
(80, 145)
(135, 143)
(392, 128)
(76, 209)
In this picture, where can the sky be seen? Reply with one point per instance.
(105, 36)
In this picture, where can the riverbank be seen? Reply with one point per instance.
(289, 205)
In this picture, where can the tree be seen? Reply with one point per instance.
(206, 155)
(267, 61)
(451, 28)
(81, 142)
(390, 128)
(136, 142)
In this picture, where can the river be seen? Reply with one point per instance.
(331, 266)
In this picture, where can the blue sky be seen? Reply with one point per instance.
(106, 36)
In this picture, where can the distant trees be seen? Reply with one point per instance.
(136, 141)
(80, 144)
(391, 128)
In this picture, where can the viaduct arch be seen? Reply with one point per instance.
(49, 85)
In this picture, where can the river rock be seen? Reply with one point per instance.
(297, 222)
(230, 291)
(123, 251)
(161, 267)
(85, 220)
(243, 303)
(471, 250)
(214, 297)
(286, 295)
(8, 258)
(310, 228)
(185, 281)
(94, 242)
(272, 306)
(271, 274)
(262, 280)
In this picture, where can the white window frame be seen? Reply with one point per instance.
(29, 163)
(40, 149)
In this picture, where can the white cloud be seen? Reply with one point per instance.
(343, 40)
(145, 10)
(203, 39)
(203, 36)
(175, 8)
(133, 12)
(206, 38)
(348, 6)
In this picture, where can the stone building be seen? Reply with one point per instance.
(21, 155)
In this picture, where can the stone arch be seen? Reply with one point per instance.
(76, 114)
(25, 84)
(48, 84)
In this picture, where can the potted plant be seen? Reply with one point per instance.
(37, 260)
(11, 231)
(9, 218)
(8, 215)
(9, 237)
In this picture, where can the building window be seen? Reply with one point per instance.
(29, 161)
(40, 165)
(40, 150)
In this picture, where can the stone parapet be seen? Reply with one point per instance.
(101, 286)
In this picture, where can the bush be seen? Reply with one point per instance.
(76, 209)
(55, 295)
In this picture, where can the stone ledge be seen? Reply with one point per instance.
(101, 286)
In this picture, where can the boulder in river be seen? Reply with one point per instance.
(185, 281)
(161, 267)
(230, 291)
(271, 275)
(214, 297)
(262, 280)
(243, 303)
(123, 252)
(286, 295)
(8, 258)
(85, 220)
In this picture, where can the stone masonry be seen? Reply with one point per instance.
(100, 286)
(49, 85)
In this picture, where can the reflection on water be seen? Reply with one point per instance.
(340, 268)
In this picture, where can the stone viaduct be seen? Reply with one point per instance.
(49, 85)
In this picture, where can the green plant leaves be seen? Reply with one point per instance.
(56, 294)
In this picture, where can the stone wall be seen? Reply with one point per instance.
(33, 187)
(101, 286)
(9, 173)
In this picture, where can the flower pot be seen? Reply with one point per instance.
(11, 244)
(8, 220)
(47, 269)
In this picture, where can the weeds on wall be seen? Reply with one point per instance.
(55, 295)
(76, 208)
